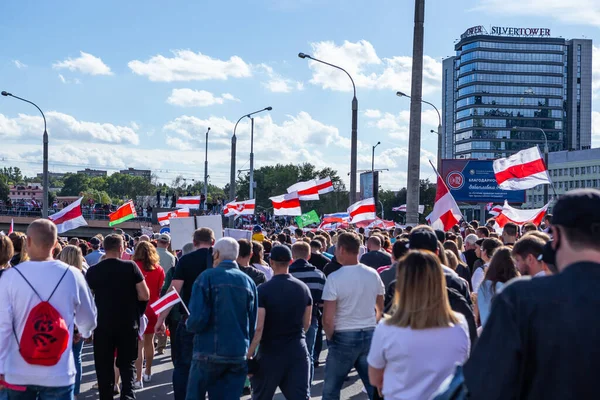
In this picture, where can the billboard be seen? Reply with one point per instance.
(367, 184)
(473, 181)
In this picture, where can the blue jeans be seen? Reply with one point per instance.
(221, 380)
(77, 348)
(347, 349)
(311, 336)
(42, 393)
(182, 361)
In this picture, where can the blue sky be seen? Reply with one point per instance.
(136, 84)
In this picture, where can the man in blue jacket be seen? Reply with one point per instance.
(223, 312)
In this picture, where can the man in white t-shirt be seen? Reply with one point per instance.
(353, 304)
(24, 287)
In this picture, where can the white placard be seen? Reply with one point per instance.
(238, 234)
(182, 232)
(214, 222)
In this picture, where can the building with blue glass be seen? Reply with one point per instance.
(506, 85)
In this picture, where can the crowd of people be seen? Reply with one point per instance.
(418, 313)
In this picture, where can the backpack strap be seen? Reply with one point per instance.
(25, 279)
(56, 287)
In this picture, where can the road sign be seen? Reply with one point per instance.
(165, 229)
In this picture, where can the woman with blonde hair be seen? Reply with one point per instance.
(6, 252)
(414, 350)
(72, 255)
(146, 257)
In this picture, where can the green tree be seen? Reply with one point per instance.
(99, 197)
(124, 186)
(394, 199)
(74, 184)
(4, 188)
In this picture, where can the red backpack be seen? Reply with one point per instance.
(46, 334)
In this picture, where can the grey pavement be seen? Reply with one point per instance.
(161, 388)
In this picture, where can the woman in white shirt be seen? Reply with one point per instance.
(414, 350)
(258, 260)
(502, 268)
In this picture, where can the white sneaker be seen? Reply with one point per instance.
(138, 385)
(147, 378)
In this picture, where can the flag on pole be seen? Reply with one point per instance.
(519, 217)
(69, 217)
(310, 217)
(495, 210)
(165, 217)
(240, 208)
(12, 226)
(523, 170)
(445, 212)
(306, 190)
(364, 210)
(286, 204)
(168, 300)
(188, 202)
(402, 208)
(324, 185)
(123, 213)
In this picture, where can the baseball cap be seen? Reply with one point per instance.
(281, 254)
(95, 241)
(578, 209)
(257, 228)
(423, 239)
(164, 238)
(479, 242)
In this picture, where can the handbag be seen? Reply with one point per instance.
(453, 388)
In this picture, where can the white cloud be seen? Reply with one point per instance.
(368, 70)
(596, 72)
(277, 83)
(19, 64)
(62, 78)
(197, 98)
(397, 126)
(185, 65)
(574, 11)
(372, 113)
(86, 64)
(65, 127)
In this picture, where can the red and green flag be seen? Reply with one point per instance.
(123, 213)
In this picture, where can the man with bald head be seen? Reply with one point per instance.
(25, 286)
(376, 257)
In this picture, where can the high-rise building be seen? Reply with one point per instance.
(503, 83)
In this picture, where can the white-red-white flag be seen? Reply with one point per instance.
(286, 204)
(308, 190)
(402, 208)
(495, 210)
(324, 185)
(168, 300)
(165, 217)
(364, 210)
(236, 208)
(12, 226)
(519, 217)
(69, 217)
(523, 170)
(445, 212)
(188, 202)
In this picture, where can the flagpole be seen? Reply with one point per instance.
(182, 303)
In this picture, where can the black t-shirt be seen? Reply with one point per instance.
(331, 267)
(318, 260)
(189, 268)
(258, 277)
(113, 282)
(284, 299)
(376, 259)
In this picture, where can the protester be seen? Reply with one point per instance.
(502, 269)
(483, 232)
(40, 360)
(469, 255)
(316, 257)
(71, 255)
(187, 270)
(147, 259)
(223, 313)
(542, 333)
(121, 294)
(19, 241)
(6, 253)
(353, 304)
(282, 359)
(509, 234)
(416, 349)
(529, 227)
(243, 262)
(166, 259)
(399, 250)
(258, 262)
(488, 246)
(375, 257)
(315, 280)
(461, 269)
(526, 253)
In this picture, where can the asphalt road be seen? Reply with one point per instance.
(161, 388)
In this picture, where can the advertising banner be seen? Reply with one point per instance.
(473, 181)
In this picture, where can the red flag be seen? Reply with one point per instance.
(520, 217)
(364, 210)
(12, 226)
(324, 185)
(286, 204)
(445, 212)
(522, 170)
(164, 217)
(168, 300)
(188, 202)
(69, 217)
(306, 190)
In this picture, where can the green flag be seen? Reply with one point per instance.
(310, 217)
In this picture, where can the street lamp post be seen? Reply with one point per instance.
(251, 189)
(520, 128)
(206, 170)
(375, 189)
(354, 138)
(439, 129)
(45, 160)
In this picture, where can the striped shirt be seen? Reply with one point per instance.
(313, 278)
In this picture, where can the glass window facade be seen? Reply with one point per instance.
(502, 67)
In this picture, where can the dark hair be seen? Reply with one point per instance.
(267, 245)
(490, 246)
(408, 229)
(245, 248)
(484, 231)
(511, 229)
(399, 249)
(256, 249)
(349, 242)
(475, 224)
(453, 247)
(281, 238)
(299, 232)
(315, 244)
(529, 227)
(204, 235)
(502, 268)
(113, 242)
(529, 244)
(84, 249)
(548, 217)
